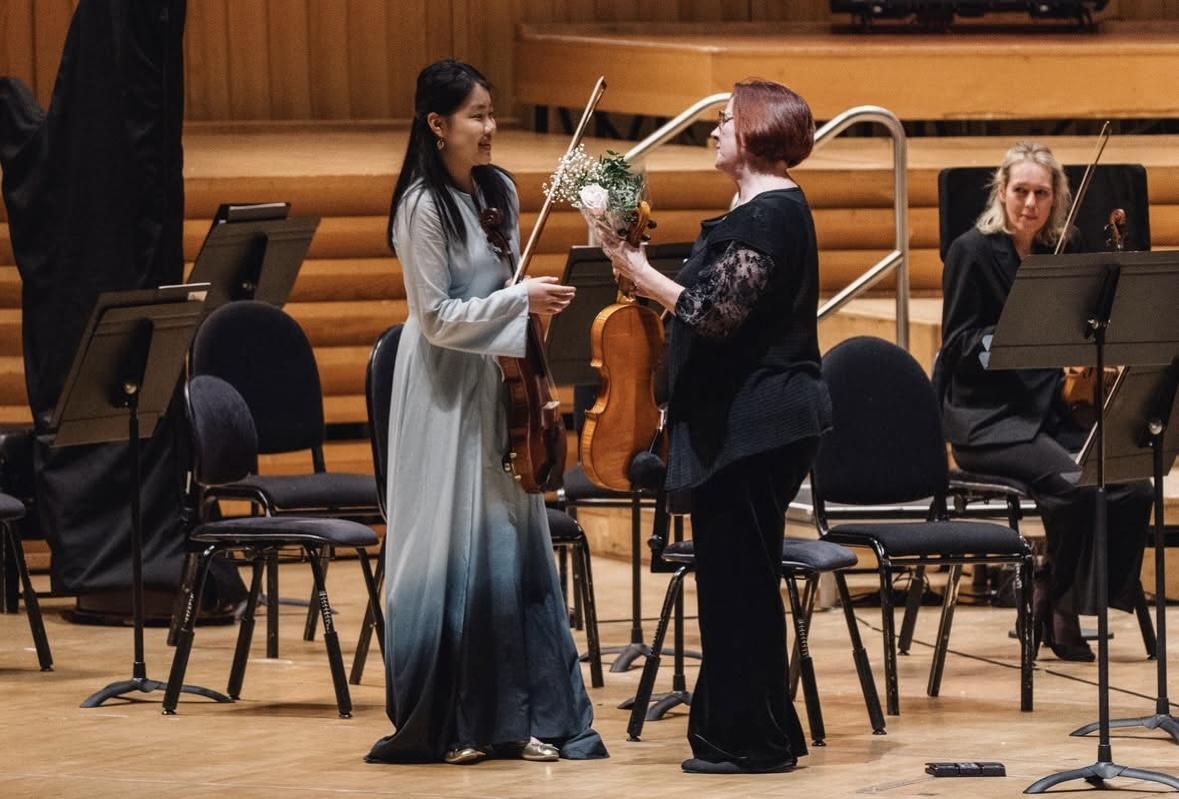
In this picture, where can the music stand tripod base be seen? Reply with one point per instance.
(1098, 773)
(145, 685)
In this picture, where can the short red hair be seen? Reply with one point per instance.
(774, 125)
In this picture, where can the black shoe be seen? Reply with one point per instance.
(695, 765)
(1066, 641)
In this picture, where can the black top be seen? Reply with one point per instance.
(981, 407)
(743, 358)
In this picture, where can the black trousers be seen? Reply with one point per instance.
(741, 711)
(1067, 510)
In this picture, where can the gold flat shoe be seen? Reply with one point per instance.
(463, 755)
(539, 752)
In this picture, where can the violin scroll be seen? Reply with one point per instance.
(491, 220)
(1115, 231)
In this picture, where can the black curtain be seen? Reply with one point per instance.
(95, 200)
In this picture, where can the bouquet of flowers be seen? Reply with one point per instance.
(604, 188)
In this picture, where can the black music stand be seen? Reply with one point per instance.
(1140, 438)
(253, 252)
(125, 372)
(1070, 310)
(588, 269)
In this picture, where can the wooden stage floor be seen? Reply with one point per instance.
(284, 739)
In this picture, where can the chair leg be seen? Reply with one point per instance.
(1026, 640)
(912, 606)
(638, 711)
(943, 631)
(245, 633)
(860, 658)
(330, 639)
(373, 616)
(809, 593)
(325, 560)
(373, 586)
(32, 606)
(187, 575)
(185, 635)
(578, 593)
(888, 625)
(1145, 625)
(810, 688)
(584, 581)
(10, 593)
(272, 605)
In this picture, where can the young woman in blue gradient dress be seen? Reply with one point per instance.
(479, 658)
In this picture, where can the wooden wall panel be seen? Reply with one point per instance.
(328, 56)
(16, 32)
(357, 59)
(249, 60)
(51, 23)
(288, 45)
(407, 54)
(368, 58)
(206, 58)
(1146, 9)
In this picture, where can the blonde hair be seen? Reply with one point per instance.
(994, 218)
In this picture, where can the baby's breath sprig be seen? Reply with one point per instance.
(605, 187)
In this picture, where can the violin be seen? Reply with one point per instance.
(535, 454)
(626, 347)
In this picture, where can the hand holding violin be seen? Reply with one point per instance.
(629, 260)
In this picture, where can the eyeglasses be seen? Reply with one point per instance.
(722, 118)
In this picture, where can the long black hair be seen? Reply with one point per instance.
(441, 89)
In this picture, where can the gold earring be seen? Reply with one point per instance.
(441, 144)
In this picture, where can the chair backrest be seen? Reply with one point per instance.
(225, 443)
(886, 443)
(963, 191)
(264, 354)
(378, 391)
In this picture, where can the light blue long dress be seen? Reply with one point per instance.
(478, 648)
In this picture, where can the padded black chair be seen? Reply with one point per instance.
(566, 533)
(263, 353)
(962, 196)
(224, 444)
(804, 559)
(887, 447)
(12, 510)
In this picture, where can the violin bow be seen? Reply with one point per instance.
(595, 96)
(1084, 187)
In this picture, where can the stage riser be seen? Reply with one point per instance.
(658, 70)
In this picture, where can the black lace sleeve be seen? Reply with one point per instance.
(726, 293)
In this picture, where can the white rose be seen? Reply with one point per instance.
(594, 198)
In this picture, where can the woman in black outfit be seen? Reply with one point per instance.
(746, 410)
(1013, 423)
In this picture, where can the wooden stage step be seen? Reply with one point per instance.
(668, 66)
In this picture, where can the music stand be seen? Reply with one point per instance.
(1082, 310)
(125, 372)
(1139, 438)
(253, 252)
(588, 269)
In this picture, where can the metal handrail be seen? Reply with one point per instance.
(675, 126)
(898, 259)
